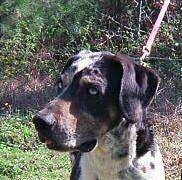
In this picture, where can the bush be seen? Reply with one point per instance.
(37, 37)
(34, 30)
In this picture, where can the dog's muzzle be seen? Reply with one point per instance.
(44, 125)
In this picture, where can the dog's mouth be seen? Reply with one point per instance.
(88, 146)
(48, 142)
(84, 147)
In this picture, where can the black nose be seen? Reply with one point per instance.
(43, 122)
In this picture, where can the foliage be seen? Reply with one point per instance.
(40, 35)
(22, 155)
(32, 30)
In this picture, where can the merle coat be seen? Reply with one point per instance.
(99, 116)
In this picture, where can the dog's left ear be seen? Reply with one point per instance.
(148, 82)
(138, 87)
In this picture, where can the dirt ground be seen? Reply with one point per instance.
(169, 135)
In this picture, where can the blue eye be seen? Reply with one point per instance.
(93, 91)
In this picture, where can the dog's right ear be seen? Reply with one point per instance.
(138, 86)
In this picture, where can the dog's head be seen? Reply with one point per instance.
(97, 90)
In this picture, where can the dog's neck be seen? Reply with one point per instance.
(120, 143)
(115, 151)
(116, 158)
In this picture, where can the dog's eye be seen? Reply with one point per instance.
(93, 91)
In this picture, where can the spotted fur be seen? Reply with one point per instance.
(105, 131)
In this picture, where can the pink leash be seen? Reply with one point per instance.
(147, 48)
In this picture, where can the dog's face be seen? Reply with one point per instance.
(96, 90)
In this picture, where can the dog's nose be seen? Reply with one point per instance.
(43, 121)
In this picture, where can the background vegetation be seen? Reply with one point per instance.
(37, 37)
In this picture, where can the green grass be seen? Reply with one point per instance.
(22, 156)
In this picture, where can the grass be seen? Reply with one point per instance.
(22, 156)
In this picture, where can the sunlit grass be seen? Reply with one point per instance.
(22, 156)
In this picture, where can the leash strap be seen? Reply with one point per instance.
(147, 48)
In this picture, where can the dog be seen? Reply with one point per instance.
(99, 116)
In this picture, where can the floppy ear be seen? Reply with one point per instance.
(138, 87)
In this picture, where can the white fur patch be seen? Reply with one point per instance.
(100, 163)
(87, 172)
(152, 166)
(85, 59)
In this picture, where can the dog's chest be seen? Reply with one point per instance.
(94, 167)
(115, 159)
(105, 168)
(113, 154)
(100, 165)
